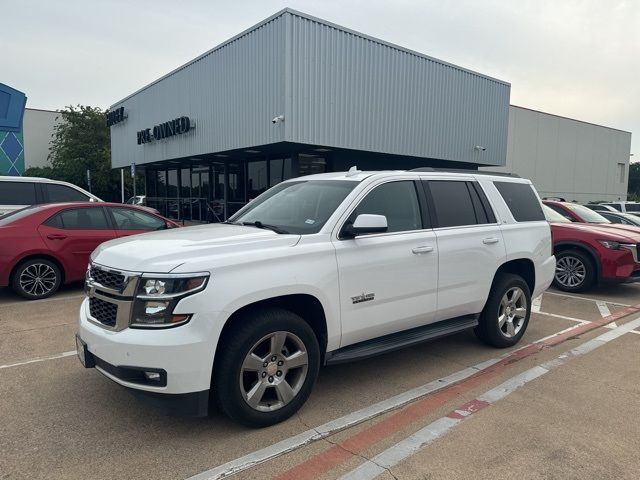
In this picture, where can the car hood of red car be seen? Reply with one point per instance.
(618, 233)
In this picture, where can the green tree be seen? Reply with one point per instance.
(634, 181)
(81, 141)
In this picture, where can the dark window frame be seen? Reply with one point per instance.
(61, 226)
(479, 202)
(425, 217)
(517, 213)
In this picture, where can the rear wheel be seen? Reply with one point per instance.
(36, 278)
(506, 314)
(575, 271)
(267, 368)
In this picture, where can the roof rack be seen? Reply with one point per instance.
(464, 170)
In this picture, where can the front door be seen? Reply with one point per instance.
(388, 281)
(73, 234)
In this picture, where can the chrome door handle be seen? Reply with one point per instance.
(422, 249)
(490, 240)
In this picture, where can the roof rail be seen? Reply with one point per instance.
(465, 170)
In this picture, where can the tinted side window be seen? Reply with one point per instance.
(83, 219)
(62, 193)
(452, 203)
(398, 201)
(521, 200)
(129, 219)
(17, 193)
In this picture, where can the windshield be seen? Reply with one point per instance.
(553, 216)
(301, 207)
(586, 214)
(11, 217)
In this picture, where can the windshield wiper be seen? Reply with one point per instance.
(265, 226)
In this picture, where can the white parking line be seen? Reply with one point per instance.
(39, 359)
(557, 294)
(402, 450)
(31, 302)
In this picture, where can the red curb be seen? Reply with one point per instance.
(341, 452)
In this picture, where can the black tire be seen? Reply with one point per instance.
(490, 329)
(231, 383)
(42, 286)
(579, 260)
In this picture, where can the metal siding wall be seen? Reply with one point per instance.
(232, 94)
(354, 92)
(567, 158)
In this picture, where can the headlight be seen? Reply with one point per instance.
(158, 296)
(610, 244)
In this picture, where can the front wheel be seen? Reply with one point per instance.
(506, 314)
(266, 368)
(36, 278)
(575, 271)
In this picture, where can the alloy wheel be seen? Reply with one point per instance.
(512, 312)
(570, 272)
(274, 371)
(38, 279)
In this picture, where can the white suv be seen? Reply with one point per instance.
(317, 270)
(624, 207)
(20, 192)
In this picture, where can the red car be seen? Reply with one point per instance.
(588, 254)
(574, 212)
(44, 246)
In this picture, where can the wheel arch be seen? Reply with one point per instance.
(523, 267)
(306, 306)
(32, 256)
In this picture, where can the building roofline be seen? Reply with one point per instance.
(41, 110)
(573, 119)
(317, 20)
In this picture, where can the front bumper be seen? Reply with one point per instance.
(183, 355)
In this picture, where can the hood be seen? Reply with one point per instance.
(618, 233)
(161, 252)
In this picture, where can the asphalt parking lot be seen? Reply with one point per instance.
(563, 404)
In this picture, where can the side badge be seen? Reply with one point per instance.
(365, 297)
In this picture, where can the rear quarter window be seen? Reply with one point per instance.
(521, 200)
(17, 193)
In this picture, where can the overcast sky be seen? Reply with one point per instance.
(574, 58)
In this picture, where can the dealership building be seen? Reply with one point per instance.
(296, 95)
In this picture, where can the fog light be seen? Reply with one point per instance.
(152, 376)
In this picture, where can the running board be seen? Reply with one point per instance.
(395, 341)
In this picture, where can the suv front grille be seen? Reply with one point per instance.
(103, 312)
(112, 280)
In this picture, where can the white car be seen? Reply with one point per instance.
(20, 192)
(317, 270)
(624, 207)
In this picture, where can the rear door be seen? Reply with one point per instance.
(130, 221)
(470, 245)
(388, 281)
(73, 233)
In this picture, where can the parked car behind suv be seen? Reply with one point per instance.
(44, 246)
(20, 192)
(317, 270)
(625, 207)
(589, 254)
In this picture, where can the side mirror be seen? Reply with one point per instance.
(365, 224)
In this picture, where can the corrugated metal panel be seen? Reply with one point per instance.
(351, 91)
(336, 88)
(567, 158)
(232, 93)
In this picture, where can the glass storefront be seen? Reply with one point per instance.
(213, 191)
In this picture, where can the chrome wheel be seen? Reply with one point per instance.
(274, 371)
(570, 272)
(512, 312)
(38, 279)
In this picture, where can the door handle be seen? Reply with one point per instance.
(422, 249)
(490, 240)
(56, 236)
